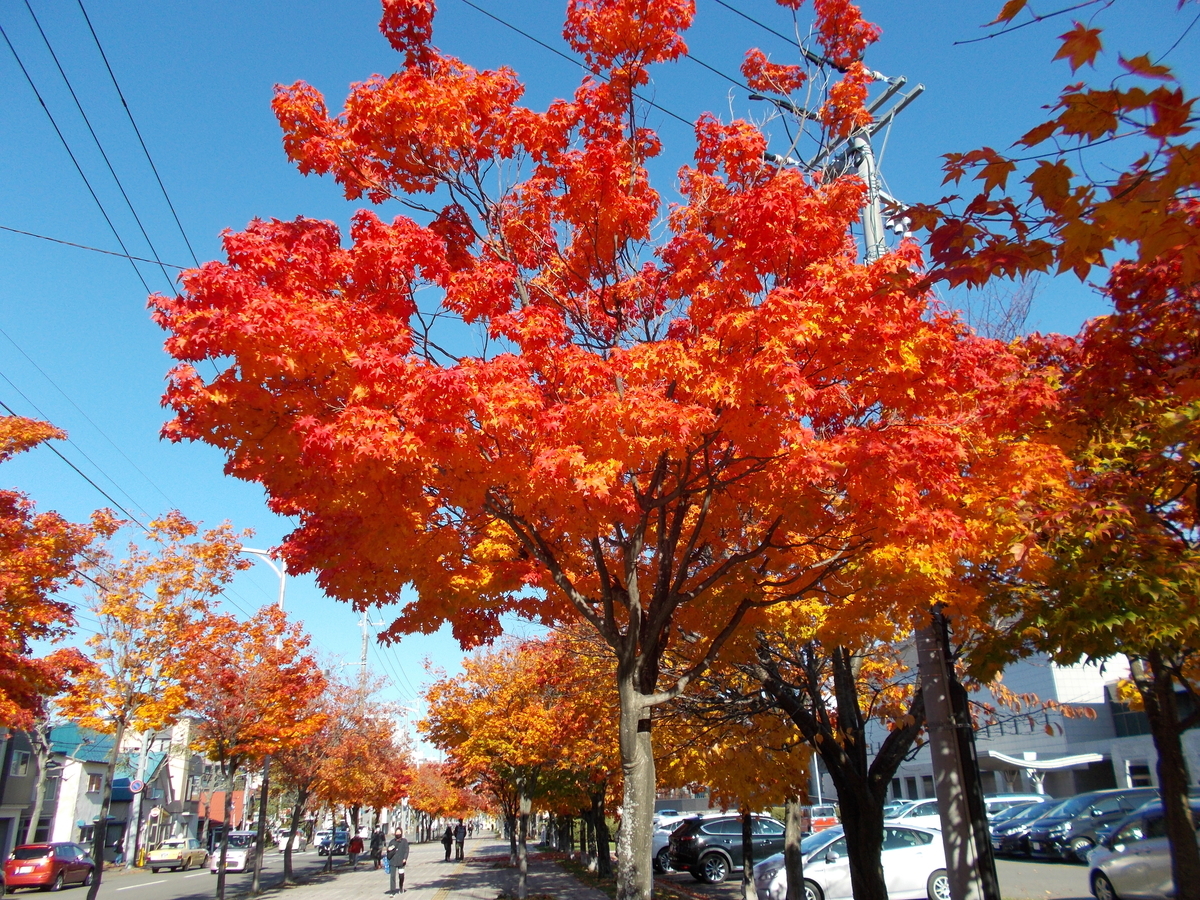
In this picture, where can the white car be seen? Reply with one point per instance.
(1134, 862)
(923, 814)
(914, 866)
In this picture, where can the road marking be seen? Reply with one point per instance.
(197, 875)
(143, 884)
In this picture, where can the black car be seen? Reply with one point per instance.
(1070, 831)
(1011, 836)
(711, 848)
(333, 845)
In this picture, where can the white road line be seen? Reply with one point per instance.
(197, 875)
(143, 884)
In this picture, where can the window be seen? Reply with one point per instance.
(897, 790)
(1106, 805)
(20, 764)
(927, 785)
(902, 838)
(95, 784)
(766, 826)
(911, 783)
(724, 826)
(1139, 774)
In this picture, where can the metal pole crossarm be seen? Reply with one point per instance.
(894, 85)
(887, 117)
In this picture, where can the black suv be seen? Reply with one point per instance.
(711, 848)
(1070, 833)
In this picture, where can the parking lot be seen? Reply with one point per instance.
(1019, 880)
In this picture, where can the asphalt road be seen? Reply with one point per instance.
(142, 884)
(1019, 880)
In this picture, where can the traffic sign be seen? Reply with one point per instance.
(137, 786)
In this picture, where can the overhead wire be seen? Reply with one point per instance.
(71, 154)
(101, 431)
(137, 131)
(76, 468)
(99, 146)
(54, 240)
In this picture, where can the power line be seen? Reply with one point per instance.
(111, 442)
(80, 472)
(138, 132)
(572, 60)
(99, 146)
(70, 153)
(157, 262)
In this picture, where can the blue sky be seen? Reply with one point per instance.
(78, 346)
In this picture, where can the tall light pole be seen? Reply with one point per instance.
(279, 568)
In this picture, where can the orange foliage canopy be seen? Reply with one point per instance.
(37, 557)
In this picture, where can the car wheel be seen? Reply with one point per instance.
(87, 879)
(1081, 847)
(938, 885)
(187, 864)
(662, 861)
(154, 869)
(812, 891)
(57, 883)
(713, 868)
(1102, 888)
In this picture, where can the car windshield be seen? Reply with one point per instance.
(241, 840)
(1016, 812)
(820, 839)
(31, 853)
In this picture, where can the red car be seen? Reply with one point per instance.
(48, 866)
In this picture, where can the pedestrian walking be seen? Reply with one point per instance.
(448, 841)
(460, 836)
(397, 857)
(377, 848)
(354, 848)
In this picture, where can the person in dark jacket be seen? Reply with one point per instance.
(460, 835)
(448, 841)
(397, 857)
(377, 848)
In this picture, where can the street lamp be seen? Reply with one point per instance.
(279, 568)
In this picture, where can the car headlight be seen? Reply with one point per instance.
(1060, 830)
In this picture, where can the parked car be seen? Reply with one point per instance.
(817, 818)
(1135, 860)
(1007, 814)
(923, 814)
(1011, 837)
(48, 866)
(711, 848)
(997, 803)
(1070, 832)
(298, 841)
(177, 853)
(895, 807)
(914, 866)
(240, 855)
(661, 841)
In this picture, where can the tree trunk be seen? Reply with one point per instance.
(601, 840)
(256, 878)
(510, 823)
(749, 892)
(227, 816)
(523, 852)
(101, 831)
(793, 859)
(587, 840)
(41, 752)
(1158, 698)
(635, 837)
(862, 822)
(297, 817)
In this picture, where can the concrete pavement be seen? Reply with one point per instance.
(483, 875)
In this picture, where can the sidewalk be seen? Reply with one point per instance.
(483, 875)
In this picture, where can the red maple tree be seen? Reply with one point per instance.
(681, 413)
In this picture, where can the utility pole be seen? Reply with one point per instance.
(969, 860)
(365, 623)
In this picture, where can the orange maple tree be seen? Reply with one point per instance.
(253, 690)
(38, 552)
(660, 436)
(152, 606)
